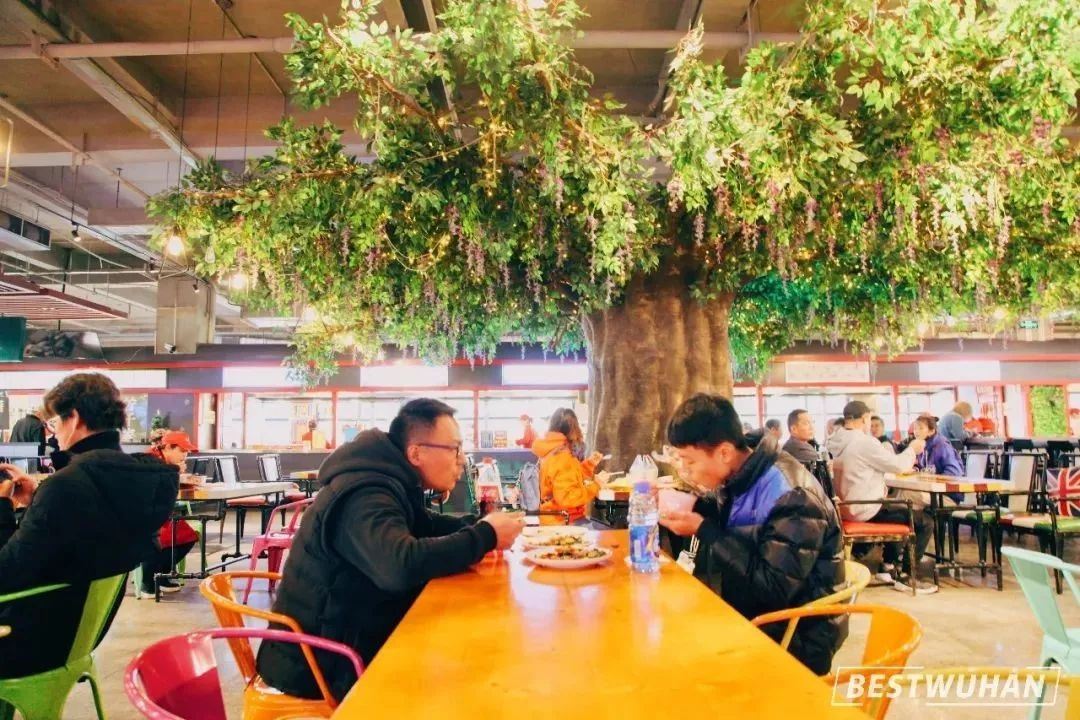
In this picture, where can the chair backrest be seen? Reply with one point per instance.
(296, 508)
(937, 677)
(529, 484)
(101, 599)
(1022, 469)
(177, 678)
(230, 612)
(1063, 489)
(856, 578)
(893, 635)
(270, 467)
(228, 468)
(204, 465)
(1032, 570)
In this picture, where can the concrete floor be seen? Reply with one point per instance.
(966, 623)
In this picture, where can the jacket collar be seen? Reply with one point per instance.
(106, 440)
(760, 460)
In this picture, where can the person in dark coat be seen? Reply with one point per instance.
(29, 428)
(368, 545)
(770, 539)
(801, 431)
(96, 517)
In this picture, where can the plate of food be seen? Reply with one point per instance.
(545, 536)
(569, 557)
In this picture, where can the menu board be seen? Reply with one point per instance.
(827, 372)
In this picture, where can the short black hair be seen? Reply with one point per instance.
(793, 417)
(94, 396)
(878, 418)
(772, 424)
(415, 415)
(705, 421)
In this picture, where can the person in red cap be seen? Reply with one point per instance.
(177, 539)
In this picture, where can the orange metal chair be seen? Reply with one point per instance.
(893, 636)
(262, 702)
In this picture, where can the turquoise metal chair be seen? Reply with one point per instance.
(1061, 645)
(42, 696)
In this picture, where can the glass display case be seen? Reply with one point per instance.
(361, 411)
(278, 421)
(501, 410)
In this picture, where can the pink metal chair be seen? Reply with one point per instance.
(177, 678)
(275, 543)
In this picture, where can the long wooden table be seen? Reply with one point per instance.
(508, 639)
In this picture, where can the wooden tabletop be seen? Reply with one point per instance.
(231, 491)
(508, 639)
(925, 482)
(304, 475)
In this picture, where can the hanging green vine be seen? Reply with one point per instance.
(899, 161)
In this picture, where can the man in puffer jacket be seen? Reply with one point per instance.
(770, 539)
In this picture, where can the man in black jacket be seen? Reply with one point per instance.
(771, 539)
(96, 517)
(368, 545)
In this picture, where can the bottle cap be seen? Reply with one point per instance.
(643, 487)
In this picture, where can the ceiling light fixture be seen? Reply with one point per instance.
(75, 233)
(175, 245)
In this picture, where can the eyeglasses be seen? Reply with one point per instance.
(52, 422)
(456, 449)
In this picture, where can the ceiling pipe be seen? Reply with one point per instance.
(70, 147)
(590, 40)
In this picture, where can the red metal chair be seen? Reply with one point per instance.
(276, 542)
(881, 532)
(177, 678)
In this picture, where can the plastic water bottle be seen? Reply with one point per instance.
(644, 532)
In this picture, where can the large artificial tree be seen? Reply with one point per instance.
(902, 160)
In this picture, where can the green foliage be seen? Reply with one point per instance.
(1048, 411)
(893, 164)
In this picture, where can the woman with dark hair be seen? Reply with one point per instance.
(939, 456)
(96, 517)
(566, 476)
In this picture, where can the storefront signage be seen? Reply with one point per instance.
(1029, 324)
(826, 372)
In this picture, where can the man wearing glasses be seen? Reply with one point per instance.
(96, 517)
(368, 545)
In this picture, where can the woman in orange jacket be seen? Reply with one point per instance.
(566, 482)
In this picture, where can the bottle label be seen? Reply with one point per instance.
(644, 543)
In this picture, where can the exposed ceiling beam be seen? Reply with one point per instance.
(689, 14)
(59, 139)
(588, 40)
(132, 105)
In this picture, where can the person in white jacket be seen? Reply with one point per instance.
(860, 463)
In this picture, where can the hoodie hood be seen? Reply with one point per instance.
(550, 443)
(137, 491)
(372, 458)
(840, 439)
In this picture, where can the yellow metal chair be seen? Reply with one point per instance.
(262, 702)
(856, 578)
(879, 707)
(893, 636)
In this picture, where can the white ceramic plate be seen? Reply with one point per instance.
(536, 556)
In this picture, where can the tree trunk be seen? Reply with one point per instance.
(646, 356)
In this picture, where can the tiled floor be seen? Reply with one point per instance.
(966, 623)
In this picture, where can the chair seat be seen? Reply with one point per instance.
(854, 528)
(1042, 523)
(986, 515)
(274, 703)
